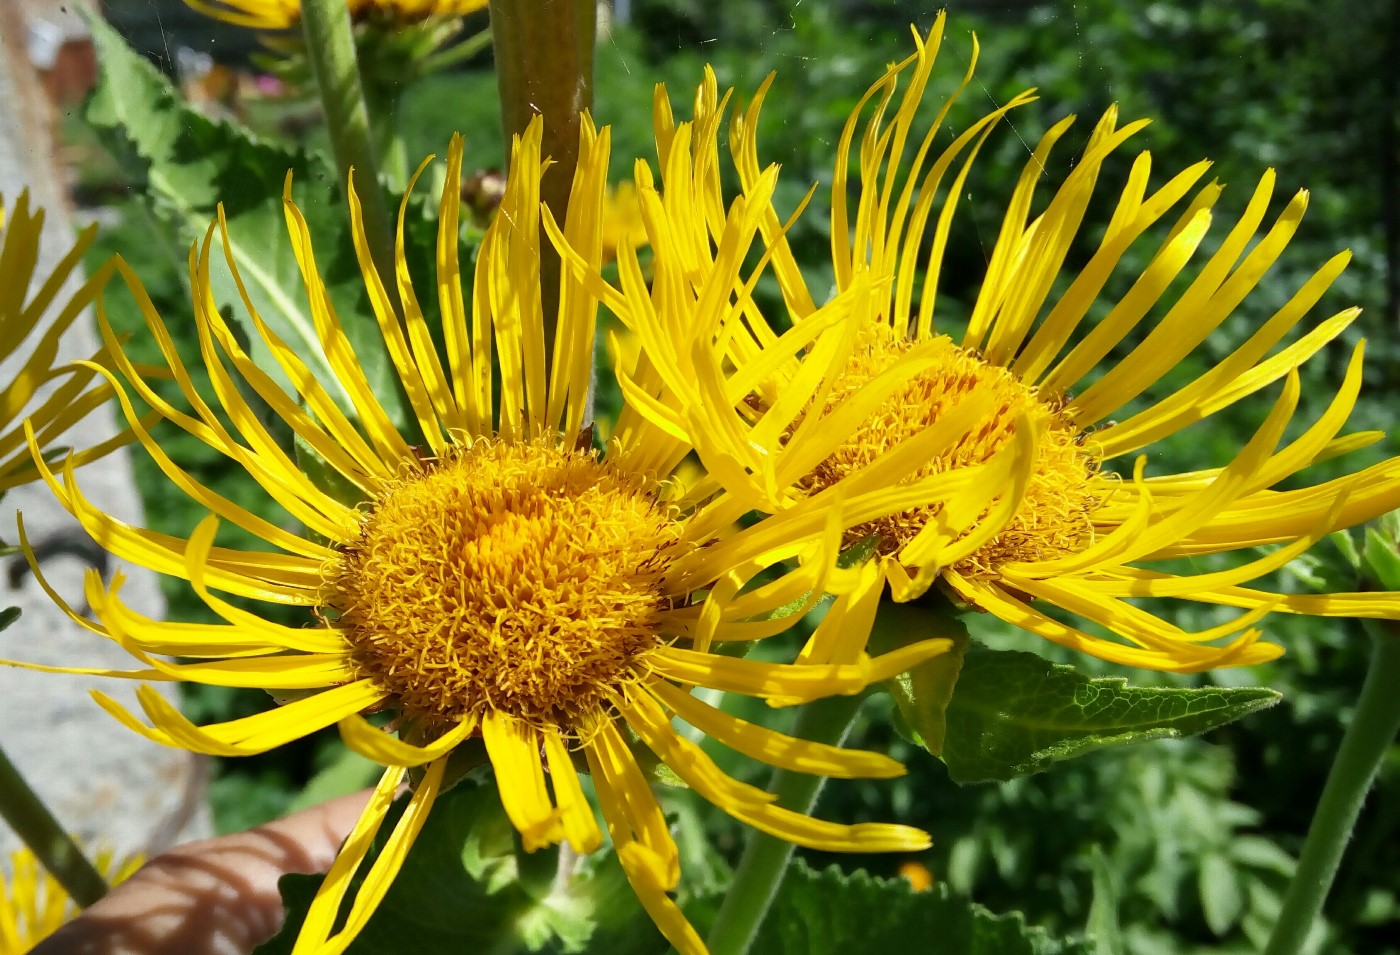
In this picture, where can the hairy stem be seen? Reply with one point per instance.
(765, 859)
(52, 846)
(544, 67)
(1364, 746)
(330, 47)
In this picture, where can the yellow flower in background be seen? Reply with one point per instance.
(29, 336)
(491, 575)
(622, 221)
(1015, 411)
(286, 14)
(33, 905)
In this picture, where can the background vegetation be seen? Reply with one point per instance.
(1190, 843)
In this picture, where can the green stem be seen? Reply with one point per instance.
(765, 859)
(1364, 745)
(52, 846)
(387, 133)
(330, 48)
(544, 67)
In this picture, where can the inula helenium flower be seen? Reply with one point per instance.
(1015, 411)
(28, 329)
(488, 574)
(286, 14)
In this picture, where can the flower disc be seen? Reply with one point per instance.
(512, 577)
(1054, 517)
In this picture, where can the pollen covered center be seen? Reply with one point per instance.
(1054, 518)
(512, 577)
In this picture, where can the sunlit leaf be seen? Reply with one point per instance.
(186, 165)
(1014, 713)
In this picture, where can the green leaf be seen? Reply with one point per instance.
(1381, 554)
(8, 615)
(467, 886)
(818, 913)
(186, 164)
(1222, 897)
(1104, 926)
(324, 476)
(922, 694)
(1013, 714)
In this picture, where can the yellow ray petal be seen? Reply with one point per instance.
(785, 680)
(249, 735)
(775, 749)
(321, 917)
(375, 744)
(514, 749)
(576, 815)
(754, 806)
(381, 874)
(629, 808)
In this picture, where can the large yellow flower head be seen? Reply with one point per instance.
(26, 300)
(33, 905)
(490, 575)
(286, 14)
(1015, 412)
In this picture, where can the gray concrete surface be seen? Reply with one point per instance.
(105, 783)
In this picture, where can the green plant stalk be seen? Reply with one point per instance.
(52, 846)
(1370, 734)
(765, 859)
(386, 131)
(330, 48)
(544, 67)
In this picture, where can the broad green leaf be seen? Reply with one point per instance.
(819, 913)
(466, 886)
(1013, 714)
(185, 165)
(923, 693)
(8, 615)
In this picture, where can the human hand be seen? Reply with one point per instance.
(213, 897)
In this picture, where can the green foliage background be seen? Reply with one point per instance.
(1166, 846)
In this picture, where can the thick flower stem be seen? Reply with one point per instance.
(386, 134)
(1364, 745)
(544, 67)
(52, 846)
(330, 48)
(765, 859)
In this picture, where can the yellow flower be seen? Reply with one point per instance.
(22, 308)
(33, 905)
(491, 575)
(286, 14)
(622, 221)
(1015, 411)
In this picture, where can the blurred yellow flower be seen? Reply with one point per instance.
(23, 309)
(286, 14)
(1014, 412)
(622, 221)
(33, 904)
(489, 574)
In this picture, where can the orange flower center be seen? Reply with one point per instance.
(1055, 515)
(517, 578)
